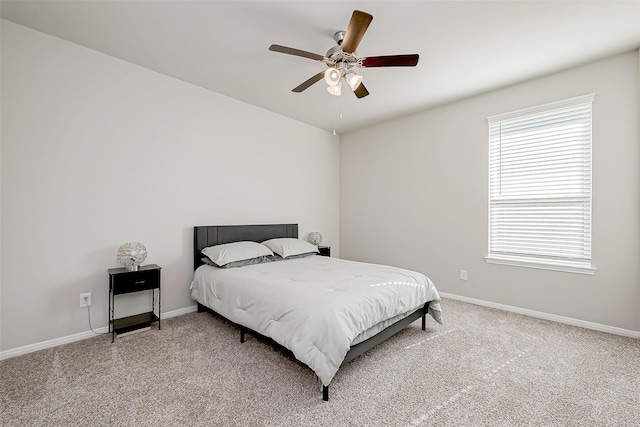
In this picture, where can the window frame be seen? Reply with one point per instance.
(582, 266)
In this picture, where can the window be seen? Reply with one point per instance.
(540, 186)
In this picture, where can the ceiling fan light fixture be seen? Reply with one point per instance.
(353, 80)
(335, 90)
(332, 76)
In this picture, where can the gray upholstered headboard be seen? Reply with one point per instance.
(209, 235)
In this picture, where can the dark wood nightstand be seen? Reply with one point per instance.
(123, 281)
(324, 250)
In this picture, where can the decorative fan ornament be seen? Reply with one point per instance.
(342, 60)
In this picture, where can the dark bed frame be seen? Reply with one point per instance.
(204, 236)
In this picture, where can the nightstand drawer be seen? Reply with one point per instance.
(136, 281)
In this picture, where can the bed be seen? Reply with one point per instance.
(325, 311)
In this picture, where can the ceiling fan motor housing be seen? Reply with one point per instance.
(341, 60)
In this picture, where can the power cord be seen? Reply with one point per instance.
(90, 327)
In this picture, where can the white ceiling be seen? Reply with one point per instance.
(465, 47)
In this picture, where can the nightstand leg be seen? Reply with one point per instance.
(112, 328)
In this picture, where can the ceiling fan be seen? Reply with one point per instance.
(341, 60)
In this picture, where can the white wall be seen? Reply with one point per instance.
(97, 152)
(414, 194)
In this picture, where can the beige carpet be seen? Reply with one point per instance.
(483, 367)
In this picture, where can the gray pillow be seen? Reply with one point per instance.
(242, 263)
(277, 257)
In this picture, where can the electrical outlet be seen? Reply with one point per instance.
(85, 299)
(463, 274)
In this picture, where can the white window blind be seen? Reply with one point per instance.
(540, 185)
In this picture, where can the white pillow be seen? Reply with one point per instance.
(223, 254)
(287, 246)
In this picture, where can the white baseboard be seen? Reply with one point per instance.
(541, 315)
(179, 312)
(79, 336)
(546, 316)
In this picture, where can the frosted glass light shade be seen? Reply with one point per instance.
(332, 76)
(335, 90)
(353, 80)
(131, 255)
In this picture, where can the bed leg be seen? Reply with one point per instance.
(241, 334)
(424, 322)
(325, 393)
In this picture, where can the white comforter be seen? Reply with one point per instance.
(314, 306)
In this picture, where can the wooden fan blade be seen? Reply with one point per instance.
(391, 61)
(361, 91)
(355, 30)
(309, 82)
(296, 52)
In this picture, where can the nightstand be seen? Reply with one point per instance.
(324, 250)
(123, 281)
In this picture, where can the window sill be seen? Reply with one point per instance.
(580, 268)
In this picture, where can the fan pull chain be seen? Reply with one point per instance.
(339, 113)
(334, 122)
